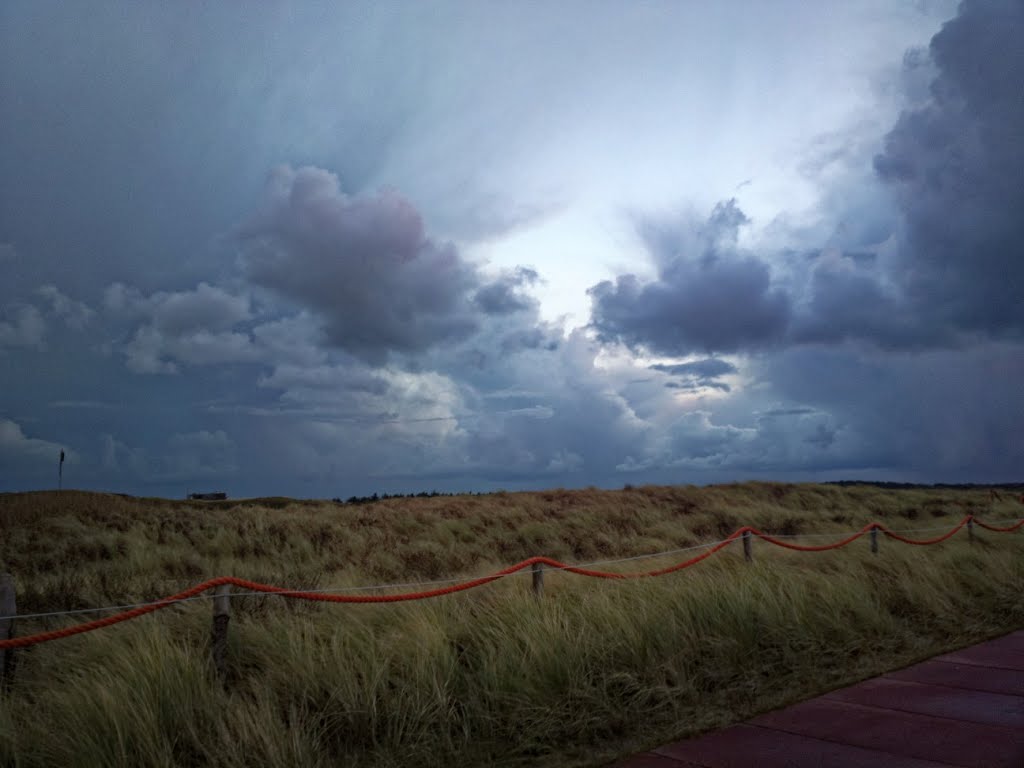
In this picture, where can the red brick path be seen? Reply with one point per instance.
(961, 709)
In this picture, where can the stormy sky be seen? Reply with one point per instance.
(325, 249)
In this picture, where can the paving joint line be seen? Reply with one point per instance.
(955, 687)
(919, 714)
(855, 746)
(884, 708)
(937, 685)
(1018, 670)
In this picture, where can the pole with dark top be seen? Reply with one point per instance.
(219, 633)
(8, 609)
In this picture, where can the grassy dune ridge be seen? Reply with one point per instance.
(596, 669)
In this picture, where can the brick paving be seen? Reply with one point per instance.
(960, 709)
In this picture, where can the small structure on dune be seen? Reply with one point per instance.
(216, 496)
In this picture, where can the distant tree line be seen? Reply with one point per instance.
(937, 486)
(386, 496)
(1012, 487)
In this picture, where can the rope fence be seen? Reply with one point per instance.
(221, 586)
(403, 585)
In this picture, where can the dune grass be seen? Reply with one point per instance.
(595, 670)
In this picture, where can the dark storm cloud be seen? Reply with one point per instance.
(786, 412)
(954, 267)
(697, 374)
(849, 301)
(365, 266)
(503, 295)
(708, 297)
(956, 163)
(710, 368)
(694, 385)
(944, 415)
(950, 267)
(530, 337)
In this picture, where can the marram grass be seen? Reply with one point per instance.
(594, 670)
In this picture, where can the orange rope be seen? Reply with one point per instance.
(924, 542)
(43, 637)
(644, 574)
(1011, 529)
(117, 618)
(821, 548)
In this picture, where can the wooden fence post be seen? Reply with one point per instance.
(748, 555)
(538, 580)
(219, 636)
(874, 541)
(970, 529)
(8, 608)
